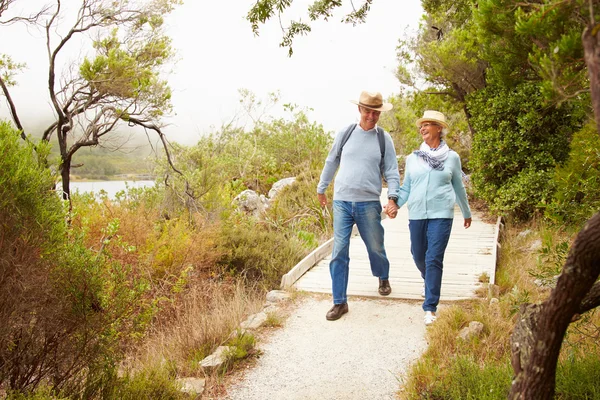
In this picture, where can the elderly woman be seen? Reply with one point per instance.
(432, 185)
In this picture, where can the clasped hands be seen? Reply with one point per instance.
(391, 208)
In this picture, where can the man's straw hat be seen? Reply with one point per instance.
(372, 101)
(433, 116)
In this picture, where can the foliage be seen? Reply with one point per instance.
(263, 10)
(445, 53)
(224, 164)
(248, 248)
(578, 378)
(519, 140)
(67, 312)
(153, 383)
(577, 181)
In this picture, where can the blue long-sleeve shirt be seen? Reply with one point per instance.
(431, 193)
(358, 174)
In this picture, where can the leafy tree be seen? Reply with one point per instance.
(119, 85)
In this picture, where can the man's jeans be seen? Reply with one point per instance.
(367, 216)
(428, 241)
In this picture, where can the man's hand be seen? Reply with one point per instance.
(322, 199)
(391, 209)
(467, 222)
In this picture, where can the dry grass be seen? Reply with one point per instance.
(205, 318)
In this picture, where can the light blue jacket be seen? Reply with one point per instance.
(358, 174)
(431, 193)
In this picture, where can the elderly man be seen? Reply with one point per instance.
(361, 154)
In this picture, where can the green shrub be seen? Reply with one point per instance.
(256, 252)
(518, 141)
(155, 384)
(465, 379)
(577, 181)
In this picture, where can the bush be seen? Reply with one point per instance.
(67, 312)
(251, 249)
(577, 181)
(518, 141)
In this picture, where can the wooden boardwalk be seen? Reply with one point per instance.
(470, 256)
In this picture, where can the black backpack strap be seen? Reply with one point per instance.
(381, 138)
(345, 139)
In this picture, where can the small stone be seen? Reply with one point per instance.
(254, 321)
(525, 233)
(216, 359)
(192, 385)
(474, 329)
(535, 246)
(276, 296)
(494, 300)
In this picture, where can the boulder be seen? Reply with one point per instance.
(250, 202)
(277, 186)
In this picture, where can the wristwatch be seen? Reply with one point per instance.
(392, 197)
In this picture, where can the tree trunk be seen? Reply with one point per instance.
(539, 333)
(591, 47)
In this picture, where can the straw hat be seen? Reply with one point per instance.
(433, 116)
(372, 101)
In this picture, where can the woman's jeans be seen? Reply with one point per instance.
(428, 241)
(367, 217)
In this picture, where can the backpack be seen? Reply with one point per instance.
(380, 138)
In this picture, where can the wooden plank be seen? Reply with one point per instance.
(307, 262)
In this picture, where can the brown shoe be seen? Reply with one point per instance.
(337, 311)
(384, 287)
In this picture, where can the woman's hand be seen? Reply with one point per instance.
(467, 222)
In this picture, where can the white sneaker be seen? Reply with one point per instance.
(423, 292)
(429, 317)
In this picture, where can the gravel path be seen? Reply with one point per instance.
(363, 355)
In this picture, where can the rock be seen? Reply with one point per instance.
(250, 202)
(269, 308)
(525, 233)
(474, 329)
(276, 296)
(216, 359)
(254, 321)
(277, 186)
(494, 300)
(193, 386)
(535, 246)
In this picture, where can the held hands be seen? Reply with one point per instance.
(467, 223)
(391, 209)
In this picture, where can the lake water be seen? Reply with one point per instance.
(110, 187)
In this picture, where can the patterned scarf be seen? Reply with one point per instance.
(433, 157)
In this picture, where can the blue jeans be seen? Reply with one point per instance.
(367, 217)
(428, 241)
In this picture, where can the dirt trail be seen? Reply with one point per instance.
(363, 355)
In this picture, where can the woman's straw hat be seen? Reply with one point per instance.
(372, 101)
(433, 116)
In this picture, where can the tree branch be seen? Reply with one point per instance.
(13, 110)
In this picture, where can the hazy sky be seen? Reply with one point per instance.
(218, 55)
